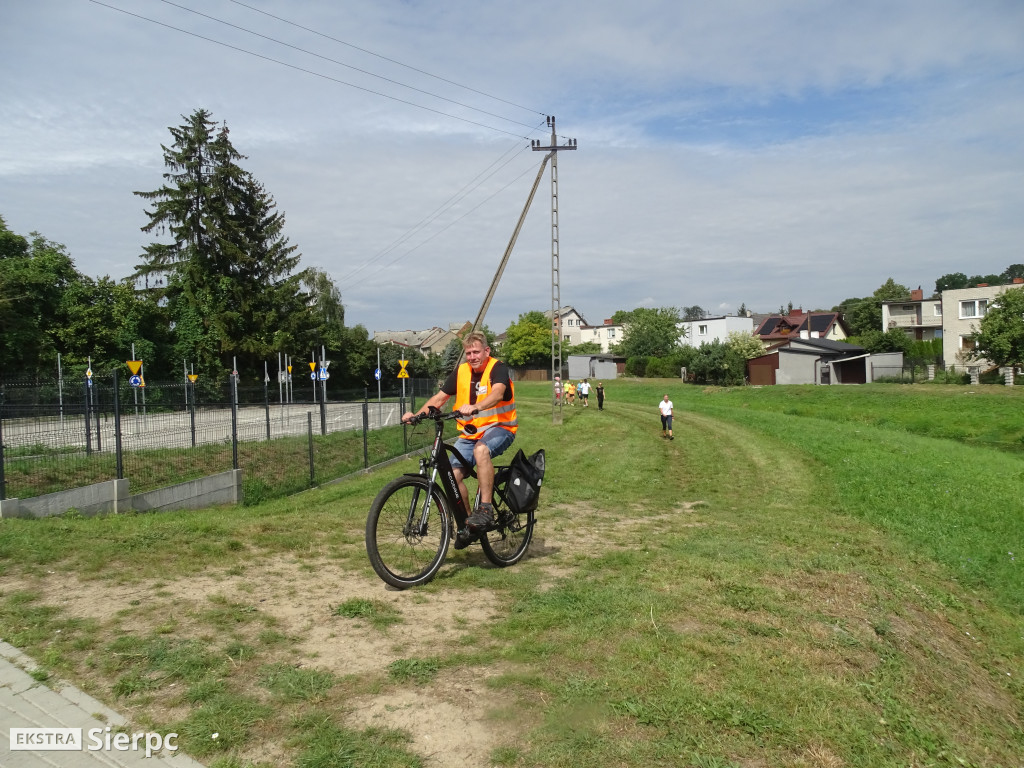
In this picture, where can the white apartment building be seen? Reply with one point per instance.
(607, 334)
(708, 330)
(962, 311)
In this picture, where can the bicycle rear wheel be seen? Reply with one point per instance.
(408, 531)
(508, 542)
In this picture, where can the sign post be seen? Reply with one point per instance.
(403, 375)
(192, 378)
(135, 366)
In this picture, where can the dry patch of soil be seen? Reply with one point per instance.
(446, 719)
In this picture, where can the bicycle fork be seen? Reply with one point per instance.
(413, 527)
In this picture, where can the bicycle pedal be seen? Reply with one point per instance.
(464, 538)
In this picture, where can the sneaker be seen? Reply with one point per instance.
(482, 517)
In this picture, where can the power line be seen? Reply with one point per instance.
(444, 228)
(343, 64)
(437, 212)
(308, 71)
(385, 58)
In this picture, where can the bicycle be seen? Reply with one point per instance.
(415, 517)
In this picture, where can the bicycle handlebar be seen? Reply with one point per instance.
(437, 415)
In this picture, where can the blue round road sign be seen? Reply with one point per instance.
(376, 374)
(135, 380)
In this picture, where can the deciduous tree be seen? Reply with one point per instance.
(34, 280)
(863, 315)
(746, 345)
(528, 340)
(648, 332)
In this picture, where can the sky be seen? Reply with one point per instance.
(728, 153)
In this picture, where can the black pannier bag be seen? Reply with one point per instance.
(525, 475)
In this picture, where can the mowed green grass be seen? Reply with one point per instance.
(803, 577)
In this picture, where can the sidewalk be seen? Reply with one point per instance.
(26, 703)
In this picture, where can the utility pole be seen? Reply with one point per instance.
(556, 299)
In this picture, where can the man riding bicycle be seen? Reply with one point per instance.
(484, 396)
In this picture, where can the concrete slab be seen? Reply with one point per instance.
(27, 703)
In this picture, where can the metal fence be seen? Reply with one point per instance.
(60, 435)
(916, 371)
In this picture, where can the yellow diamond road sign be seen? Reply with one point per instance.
(134, 366)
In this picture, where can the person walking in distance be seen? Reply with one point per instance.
(599, 390)
(584, 390)
(485, 397)
(558, 390)
(665, 406)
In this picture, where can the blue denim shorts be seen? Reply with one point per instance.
(497, 440)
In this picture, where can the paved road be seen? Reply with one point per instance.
(26, 703)
(141, 430)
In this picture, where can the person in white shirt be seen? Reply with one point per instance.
(665, 406)
(584, 390)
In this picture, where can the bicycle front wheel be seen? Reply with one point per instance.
(408, 531)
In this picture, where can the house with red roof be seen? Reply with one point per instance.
(802, 325)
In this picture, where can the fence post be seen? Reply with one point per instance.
(88, 417)
(323, 417)
(266, 405)
(234, 421)
(94, 398)
(192, 411)
(3, 482)
(309, 433)
(366, 429)
(119, 456)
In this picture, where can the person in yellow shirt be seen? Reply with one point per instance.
(570, 393)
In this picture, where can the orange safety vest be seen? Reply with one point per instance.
(502, 414)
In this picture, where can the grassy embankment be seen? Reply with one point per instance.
(804, 577)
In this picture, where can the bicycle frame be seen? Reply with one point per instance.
(439, 465)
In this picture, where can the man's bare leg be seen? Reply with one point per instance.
(484, 472)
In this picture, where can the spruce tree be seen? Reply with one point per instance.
(228, 277)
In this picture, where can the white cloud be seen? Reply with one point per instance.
(728, 153)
